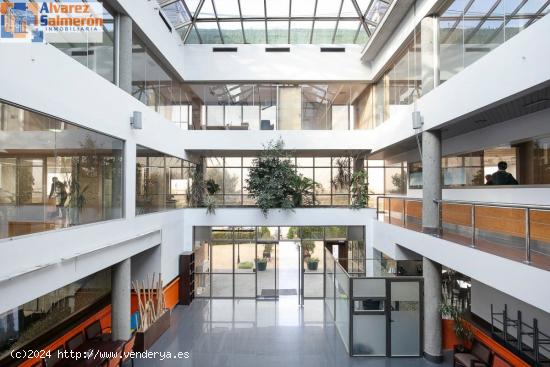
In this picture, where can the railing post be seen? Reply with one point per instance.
(473, 225)
(527, 236)
(404, 213)
(519, 332)
(536, 340)
(389, 210)
(492, 320)
(505, 323)
(440, 218)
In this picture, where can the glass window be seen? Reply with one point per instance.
(37, 318)
(47, 184)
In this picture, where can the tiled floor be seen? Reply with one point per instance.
(244, 333)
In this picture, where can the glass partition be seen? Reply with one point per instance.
(37, 318)
(98, 57)
(342, 303)
(162, 181)
(278, 106)
(54, 174)
(468, 30)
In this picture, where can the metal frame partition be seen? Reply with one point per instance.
(372, 305)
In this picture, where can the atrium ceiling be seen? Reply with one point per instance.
(275, 21)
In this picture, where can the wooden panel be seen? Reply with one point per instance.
(459, 214)
(19, 228)
(540, 225)
(503, 356)
(397, 207)
(497, 348)
(508, 221)
(414, 209)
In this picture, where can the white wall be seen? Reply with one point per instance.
(251, 63)
(254, 217)
(303, 140)
(516, 279)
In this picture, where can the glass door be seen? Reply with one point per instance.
(288, 269)
(405, 318)
(266, 270)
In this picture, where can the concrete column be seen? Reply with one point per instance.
(432, 317)
(196, 113)
(121, 301)
(125, 53)
(429, 48)
(431, 181)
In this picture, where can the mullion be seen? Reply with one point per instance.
(337, 22)
(313, 22)
(217, 21)
(242, 22)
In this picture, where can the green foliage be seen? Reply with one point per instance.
(212, 187)
(200, 194)
(462, 331)
(308, 247)
(313, 260)
(359, 190)
(399, 183)
(246, 265)
(343, 177)
(274, 183)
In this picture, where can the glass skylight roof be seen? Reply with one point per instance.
(275, 21)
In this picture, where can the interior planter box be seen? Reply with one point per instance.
(145, 339)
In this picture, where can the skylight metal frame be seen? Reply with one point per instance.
(488, 15)
(195, 19)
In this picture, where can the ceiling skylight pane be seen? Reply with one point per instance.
(364, 5)
(232, 32)
(323, 31)
(362, 37)
(328, 8)
(227, 8)
(254, 31)
(277, 32)
(277, 8)
(192, 5)
(176, 13)
(348, 10)
(207, 10)
(377, 11)
(346, 31)
(193, 37)
(300, 32)
(252, 8)
(209, 32)
(302, 8)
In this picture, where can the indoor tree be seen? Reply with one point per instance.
(274, 183)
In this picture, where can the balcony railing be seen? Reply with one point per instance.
(514, 231)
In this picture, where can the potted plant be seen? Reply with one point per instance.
(312, 263)
(261, 264)
(154, 316)
(462, 332)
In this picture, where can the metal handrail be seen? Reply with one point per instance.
(527, 208)
(466, 202)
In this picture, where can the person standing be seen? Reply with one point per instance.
(501, 177)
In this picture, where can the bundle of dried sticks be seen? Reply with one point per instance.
(151, 304)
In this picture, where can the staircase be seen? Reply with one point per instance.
(525, 340)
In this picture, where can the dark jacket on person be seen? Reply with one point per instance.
(501, 177)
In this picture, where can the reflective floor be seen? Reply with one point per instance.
(244, 333)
